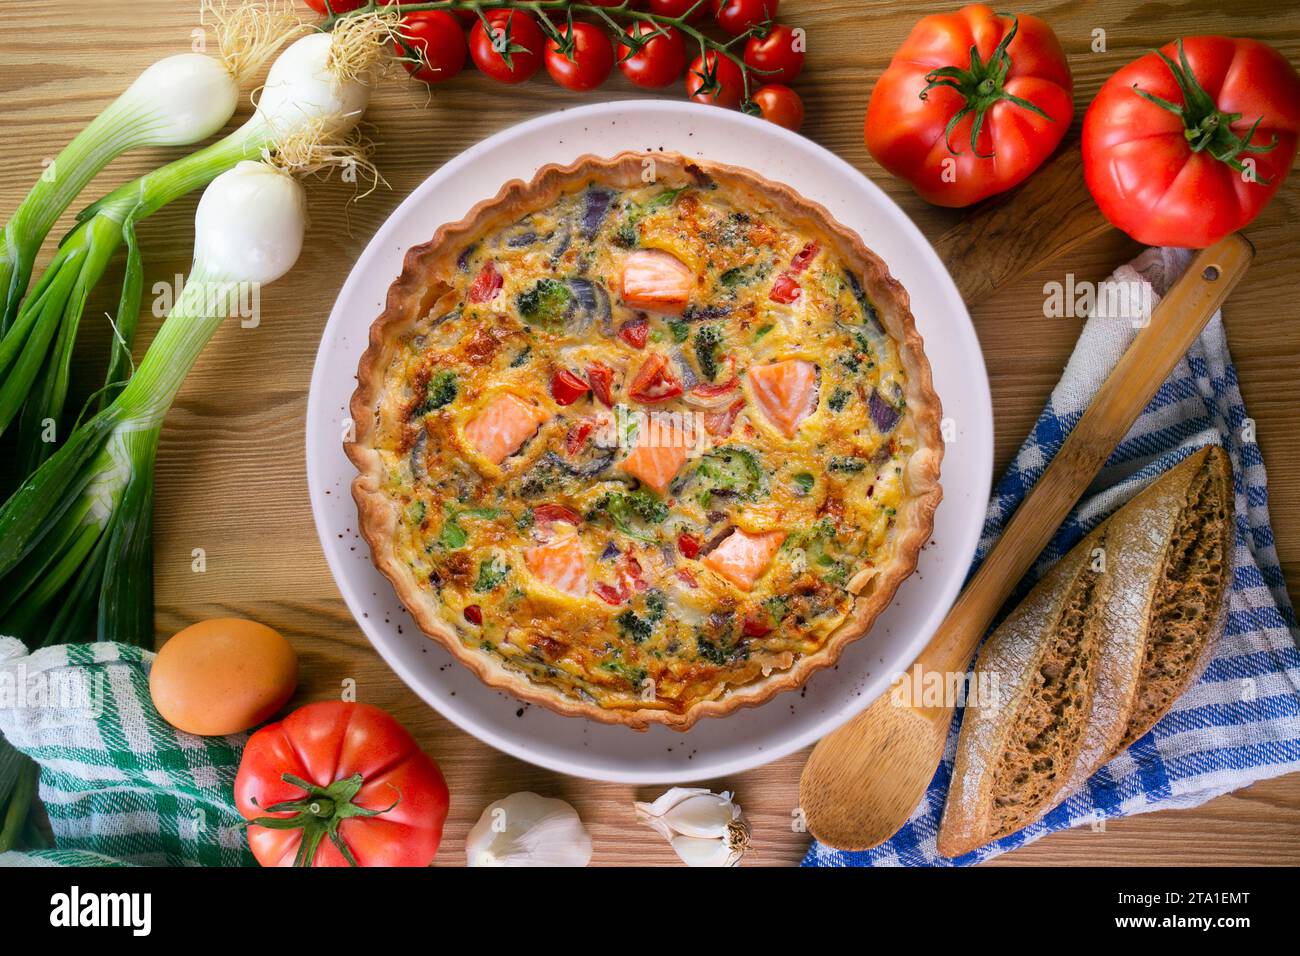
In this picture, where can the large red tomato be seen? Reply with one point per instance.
(338, 784)
(971, 104)
(1189, 143)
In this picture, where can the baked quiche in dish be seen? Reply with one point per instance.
(645, 439)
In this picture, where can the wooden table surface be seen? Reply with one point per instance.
(231, 476)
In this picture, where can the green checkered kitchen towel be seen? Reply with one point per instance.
(119, 784)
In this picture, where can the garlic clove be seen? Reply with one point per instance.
(694, 851)
(705, 815)
(525, 829)
(704, 828)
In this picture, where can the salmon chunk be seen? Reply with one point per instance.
(503, 426)
(786, 391)
(656, 281)
(561, 563)
(660, 450)
(742, 557)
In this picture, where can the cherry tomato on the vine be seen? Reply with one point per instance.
(340, 6)
(660, 60)
(584, 60)
(432, 45)
(780, 105)
(776, 57)
(715, 79)
(677, 8)
(511, 50)
(737, 16)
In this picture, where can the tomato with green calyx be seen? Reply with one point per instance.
(715, 79)
(737, 16)
(971, 104)
(340, 784)
(775, 56)
(655, 62)
(431, 44)
(581, 58)
(1190, 142)
(698, 9)
(507, 45)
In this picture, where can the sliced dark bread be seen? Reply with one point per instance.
(1014, 752)
(1190, 602)
(1096, 654)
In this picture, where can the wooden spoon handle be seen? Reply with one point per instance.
(1174, 326)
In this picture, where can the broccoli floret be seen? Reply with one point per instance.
(708, 339)
(491, 572)
(441, 391)
(545, 303)
(634, 626)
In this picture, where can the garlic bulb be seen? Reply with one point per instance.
(703, 827)
(525, 829)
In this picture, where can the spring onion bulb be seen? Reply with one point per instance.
(179, 100)
(74, 538)
(316, 92)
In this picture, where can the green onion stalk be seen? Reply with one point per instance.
(176, 101)
(75, 549)
(308, 92)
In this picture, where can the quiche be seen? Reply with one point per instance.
(645, 439)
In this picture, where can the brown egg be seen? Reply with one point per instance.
(222, 676)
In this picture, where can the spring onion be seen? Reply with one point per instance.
(313, 92)
(178, 100)
(74, 538)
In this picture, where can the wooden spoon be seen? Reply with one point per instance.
(864, 780)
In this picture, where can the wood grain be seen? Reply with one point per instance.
(863, 781)
(231, 475)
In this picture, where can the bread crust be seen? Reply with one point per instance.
(1135, 545)
(416, 288)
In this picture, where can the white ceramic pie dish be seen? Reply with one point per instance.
(750, 737)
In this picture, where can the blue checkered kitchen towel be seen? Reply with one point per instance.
(1241, 721)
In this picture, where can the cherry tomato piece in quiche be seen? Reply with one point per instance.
(960, 130)
(550, 514)
(431, 44)
(659, 61)
(601, 378)
(716, 80)
(656, 281)
(486, 284)
(581, 58)
(688, 545)
(655, 382)
(510, 48)
(474, 614)
(780, 105)
(737, 16)
(635, 332)
(776, 56)
(567, 388)
(1188, 144)
(343, 784)
(785, 289)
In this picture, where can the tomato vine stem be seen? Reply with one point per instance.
(541, 7)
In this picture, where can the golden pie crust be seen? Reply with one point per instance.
(423, 283)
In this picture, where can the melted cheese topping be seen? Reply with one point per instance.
(566, 463)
